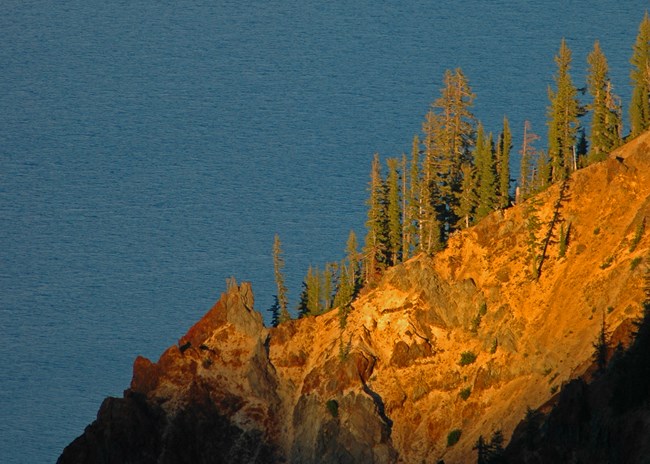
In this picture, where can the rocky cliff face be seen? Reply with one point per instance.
(465, 342)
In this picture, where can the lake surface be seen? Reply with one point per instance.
(150, 150)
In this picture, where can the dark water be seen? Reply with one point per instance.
(150, 150)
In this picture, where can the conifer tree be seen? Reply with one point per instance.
(405, 211)
(313, 281)
(275, 312)
(352, 261)
(430, 201)
(528, 162)
(601, 347)
(376, 246)
(503, 164)
(468, 199)
(413, 201)
(278, 265)
(303, 304)
(327, 286)
(394, 213)
(485, 171)
(563, 115)
(640, 104)
(449, 136)
(542, 174)
(348, 284)
(605, 134)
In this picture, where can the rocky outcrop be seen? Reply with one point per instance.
(439, 352)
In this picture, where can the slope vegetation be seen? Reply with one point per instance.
(440, 351)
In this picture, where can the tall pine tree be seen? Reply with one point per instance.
(563, 115)
(503, 164)
(486, 174)
(413, 202)
(348, 283)
(282, 297)
(528, 163)
(449, 131)
(640, 105)
(605, 134)
(394, 212)
(467, 196)
(377, 240)
(430, 201)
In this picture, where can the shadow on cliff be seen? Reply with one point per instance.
(604, 421)
(136, 430)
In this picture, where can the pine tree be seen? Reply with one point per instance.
(275, 312)
(430, 233)
(601, 347)
(533, 226)
(413, 202)
(327, 285)
(640, 104)
(449, 136)
(503, 164)
(563, 115)
(482, 450)
(528, 162)
(486, 174)
(542, 174)
(605, 134)
(348, 283)
(430, 201)
(468, 199)
(405, 210)
(352, 261)
(303, 304)
(278, 265)
(313, 281)
(376, 246)
(394, 213)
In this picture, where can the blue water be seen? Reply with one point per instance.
(150, 150)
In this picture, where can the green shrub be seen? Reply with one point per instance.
(596, 230)
(465, 392)
(344, 350)
(466, 358)
(493, 347)
(476, 322)
(333, 408)
(635, 262)
(608, 262)
(638, 234)
(482, 310)
(453, 437)
(564, 239)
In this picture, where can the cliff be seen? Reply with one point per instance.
(439, 351)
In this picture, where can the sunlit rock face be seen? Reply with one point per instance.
(463, 341)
